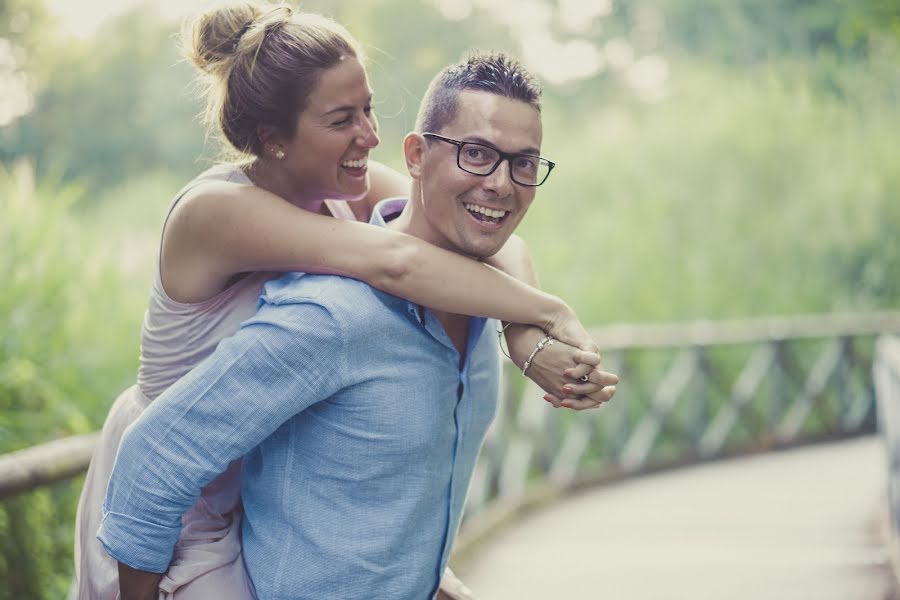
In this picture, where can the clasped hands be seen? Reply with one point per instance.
(558, 368)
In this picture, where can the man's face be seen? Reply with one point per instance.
(453, 202)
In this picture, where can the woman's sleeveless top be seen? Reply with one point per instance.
(177, 336)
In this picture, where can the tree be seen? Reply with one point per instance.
(111, 107)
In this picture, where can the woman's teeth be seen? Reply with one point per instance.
(354, 164)
(486, 214)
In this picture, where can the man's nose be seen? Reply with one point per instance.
(500, 181)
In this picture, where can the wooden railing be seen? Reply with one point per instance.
(688, 392)
(887, 383)
(45, 464)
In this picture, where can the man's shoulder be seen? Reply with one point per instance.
(331, 305)
(329, 291)
(351, 303)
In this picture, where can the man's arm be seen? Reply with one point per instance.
(284, 360)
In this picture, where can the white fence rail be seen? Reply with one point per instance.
(887, 382)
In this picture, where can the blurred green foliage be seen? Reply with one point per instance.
(744, 193)
(110, 107)
(68, 317)
(762, 176)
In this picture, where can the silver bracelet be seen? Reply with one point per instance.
(500, 333)
(547, 341)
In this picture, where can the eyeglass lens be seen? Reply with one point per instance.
(481, 160)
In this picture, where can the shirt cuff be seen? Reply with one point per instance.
(136, 543)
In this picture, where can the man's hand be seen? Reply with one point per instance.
(557, 369)
(138, 585)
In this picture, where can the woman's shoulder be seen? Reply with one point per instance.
(207, 191)
(193, 242)
(225, 171)
(218, 180)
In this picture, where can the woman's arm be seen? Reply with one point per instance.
(557, 369)
(223, 229)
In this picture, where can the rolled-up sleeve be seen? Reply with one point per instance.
(280, 362)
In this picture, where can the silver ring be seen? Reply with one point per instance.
(585, 378)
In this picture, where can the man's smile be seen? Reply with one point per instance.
(486, 214)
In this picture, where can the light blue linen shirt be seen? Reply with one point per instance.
(359, 430)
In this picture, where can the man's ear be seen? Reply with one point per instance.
(414, 153)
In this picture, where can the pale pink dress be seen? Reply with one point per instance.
(175, 337)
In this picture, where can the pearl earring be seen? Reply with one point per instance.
(279, 154)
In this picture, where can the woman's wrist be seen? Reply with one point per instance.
(521, 340)
(555, 312)
(563, 324)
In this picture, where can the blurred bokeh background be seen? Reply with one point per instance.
(716, 159)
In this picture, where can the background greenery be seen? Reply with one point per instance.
(732, 158)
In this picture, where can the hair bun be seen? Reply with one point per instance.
(210, 39)
(259, 63)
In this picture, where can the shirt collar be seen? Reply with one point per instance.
(383, 212)
(387, 209)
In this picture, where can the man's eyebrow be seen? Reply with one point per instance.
(346, 107)
(480, 140)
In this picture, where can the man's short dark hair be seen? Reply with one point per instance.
(495, 73)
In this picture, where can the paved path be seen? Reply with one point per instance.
(797, 525)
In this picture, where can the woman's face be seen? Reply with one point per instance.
(329, 153)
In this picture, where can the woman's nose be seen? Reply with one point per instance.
(368, 133)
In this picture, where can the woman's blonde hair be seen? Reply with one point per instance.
(261, 62)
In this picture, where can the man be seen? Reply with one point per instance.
(360, 415)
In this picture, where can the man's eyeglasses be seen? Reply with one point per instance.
(481, 159)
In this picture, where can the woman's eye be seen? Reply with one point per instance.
(342, 122)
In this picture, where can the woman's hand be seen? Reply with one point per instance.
(557, 369)
(598, 389)
(566, 327)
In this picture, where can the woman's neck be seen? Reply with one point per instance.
(275, 180)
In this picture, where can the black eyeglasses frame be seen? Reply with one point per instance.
(507, 156)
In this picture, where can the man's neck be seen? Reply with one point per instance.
(411, 223)
(455, 325)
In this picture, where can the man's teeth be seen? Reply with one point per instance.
(354, 164)
(488, 212)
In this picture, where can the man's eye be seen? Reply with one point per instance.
(474, 153)
(341, 122)
(523, 163)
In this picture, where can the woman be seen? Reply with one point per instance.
(233, 227)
